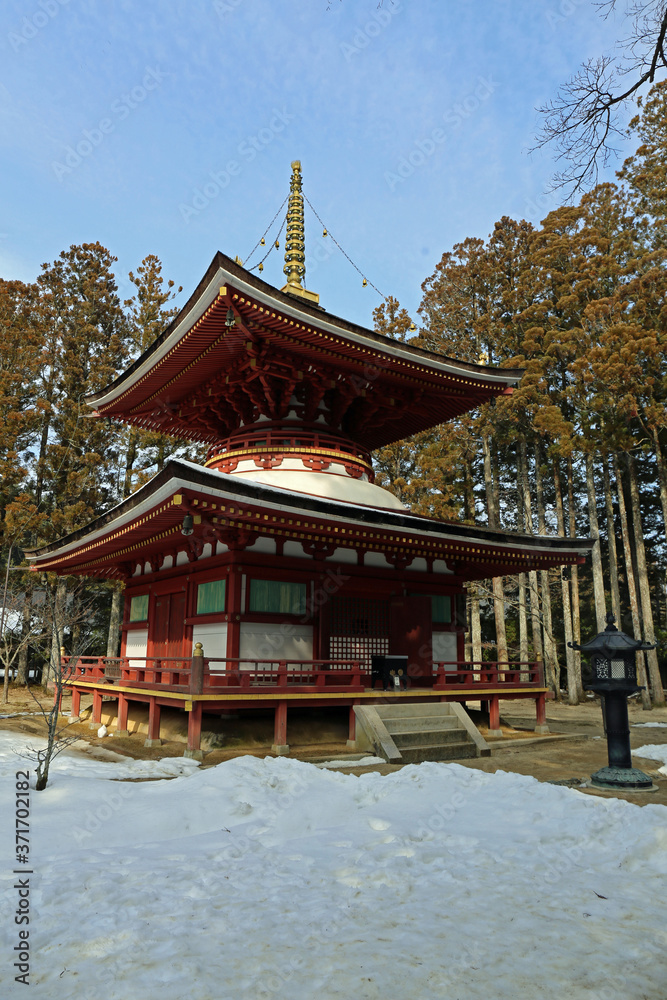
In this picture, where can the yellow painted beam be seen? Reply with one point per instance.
(474, 695)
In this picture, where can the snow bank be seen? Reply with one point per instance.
(277, 879)
(654, 751)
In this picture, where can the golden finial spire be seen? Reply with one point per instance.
(295, 257)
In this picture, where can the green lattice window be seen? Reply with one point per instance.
(277, 597)
(441, 609)
(139, 608)
(211, 597)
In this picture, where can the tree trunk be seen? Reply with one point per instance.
(535, 619)
(521, 578)
(130, 459)
(574, 575)
(657, 693)
(497, 582)
(551, 667)
(571, 663)
(662, 474)
(475, 624)
(596, 554)
(57, 630)
(113, 640)
(630, 581)
(523, 620)
(611, 543)
(22, 676)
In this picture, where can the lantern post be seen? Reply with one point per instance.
(614, 677)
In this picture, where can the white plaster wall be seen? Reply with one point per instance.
(294, 549)
(444, 648)
(213, 638)
(440, 566)
(377, 559)
(343, 556)
(418, 564)
(136, 644)
(264, 545)
(270, 641)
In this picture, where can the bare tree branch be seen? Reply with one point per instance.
(583, 121)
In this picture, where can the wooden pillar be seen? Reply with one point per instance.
(494, 716)
(96, 718)
(194, 731)
(76, 705)
(280, 745)
(153, 724)
(541, 725)
(352, 729)
(197, 670)
(121, 723)
(234, 580)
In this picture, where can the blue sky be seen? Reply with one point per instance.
(169, 128)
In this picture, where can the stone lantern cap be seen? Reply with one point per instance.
(612, 643)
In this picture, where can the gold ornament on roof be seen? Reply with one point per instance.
(295, 247)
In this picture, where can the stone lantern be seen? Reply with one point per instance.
(613, 664)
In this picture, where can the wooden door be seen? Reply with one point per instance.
(168, 625)
(411, 635)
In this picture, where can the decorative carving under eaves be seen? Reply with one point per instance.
(316, 463)
(319, 549)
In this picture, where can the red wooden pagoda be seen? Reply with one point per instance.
(271, 575)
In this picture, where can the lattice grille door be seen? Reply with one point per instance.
(359, 629)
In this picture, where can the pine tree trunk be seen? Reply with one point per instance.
(535, 619)
(57, 630)
(551, 667)
(574, 575)
(499, 615)
(662, 474)
(475, 624)
(630, 581)
(497, 582)
(611, 543)
(22, 676)
(130, 459)
(467, 646)
(657, 692)
(113, 640)
(521, 578)
(596, 554)
(571, 663)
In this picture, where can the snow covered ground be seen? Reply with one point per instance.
(278, 879)
(654, 751)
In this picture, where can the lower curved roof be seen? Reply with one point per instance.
(147, 525)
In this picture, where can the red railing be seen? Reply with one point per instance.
(199, 675)
(204, 675)
(479, 673)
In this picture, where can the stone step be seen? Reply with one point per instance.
(411, 724)
(433, 737)
(415, 709)
(450, 751)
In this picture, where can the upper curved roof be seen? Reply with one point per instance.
(200, 379)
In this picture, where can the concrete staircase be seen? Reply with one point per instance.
(412, 733)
